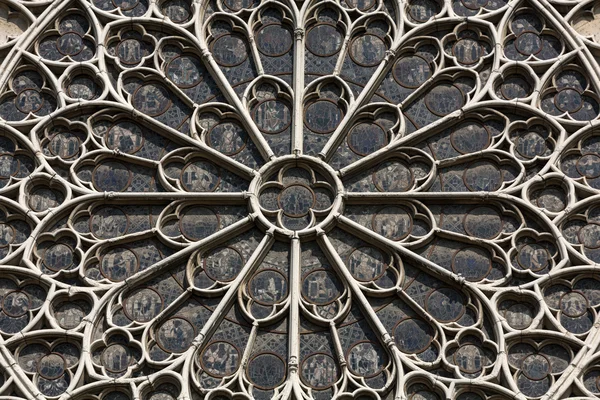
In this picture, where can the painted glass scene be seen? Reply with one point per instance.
(299, 199)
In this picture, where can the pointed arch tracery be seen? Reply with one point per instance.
(350, 199)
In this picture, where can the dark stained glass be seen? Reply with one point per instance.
(349, 199)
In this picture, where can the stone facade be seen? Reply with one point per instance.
(253, 199)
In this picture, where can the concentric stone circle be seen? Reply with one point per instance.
(296, 199)
(345, 199)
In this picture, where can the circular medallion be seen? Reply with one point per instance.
(469, 358)
(266, 371)
(197, 223)
(319, 371)
(116, 358)
(152, 99)
(362, 5)
(519, 316)
(321, 287)
(474, 4)
(175, 335)
(483, 176)
(534, 257)
(393, 176)
(528, 43)
(470, 137)
(413, 335)
(227, 137)
(423, 10)
(473, 263)
(552, 199)
(589, 166)
(272, 116)
(16, 304)
(166, 394)
(367, 50)
(51, 366)
(83, 87)
(296, 200)
(108, 222)
(366, 138)
(324, 40)
(589, 236)
(393, 223)
(574, 304)
(40, 200)
(111, 176)
(119, 264)
(69, 315)
(220, 359)
(411, 72)
(443, 99)
(142, 305)
(58, 257)
(467, 51)
(536, 367)
(515, 87)
(445, 305)
(125, 5)
(129, 51)
(125, 136)
(274, 40)
(530, 145)
(70, 44)
(367, 264)
(237, 5)
(322, 116)
(29, 101)
(223, 264)
(185, 71)
(229, 50)
(568, 100)
(483, 222)
(178, 11)
(64, 145)
(268, 287)
(367, 359)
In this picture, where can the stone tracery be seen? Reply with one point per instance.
(235, 199)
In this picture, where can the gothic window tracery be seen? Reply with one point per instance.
(316, 199)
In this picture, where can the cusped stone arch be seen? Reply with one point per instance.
(340, 199)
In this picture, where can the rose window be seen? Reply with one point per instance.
(341, 199)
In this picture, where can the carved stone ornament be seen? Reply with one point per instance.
(299, 199)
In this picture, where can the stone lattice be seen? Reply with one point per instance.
(279, 199)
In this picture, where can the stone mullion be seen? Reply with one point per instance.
(294, 311)
(229, 93)
(156, 268)
(298, 114)
(223, 307)
(440, 273)
(365, 307)
(369, 89)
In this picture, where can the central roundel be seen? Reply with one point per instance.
(296, 193)
(297, 200)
